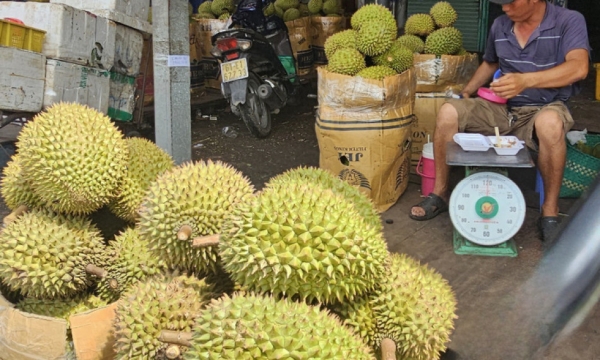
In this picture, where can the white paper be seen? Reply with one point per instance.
(178, 60)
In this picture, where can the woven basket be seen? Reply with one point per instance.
(580, 170)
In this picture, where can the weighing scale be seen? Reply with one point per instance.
(486, 208)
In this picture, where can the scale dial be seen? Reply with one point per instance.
(487, 208)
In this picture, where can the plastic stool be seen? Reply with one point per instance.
(539, 187)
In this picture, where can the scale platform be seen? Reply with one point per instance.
(486, 206)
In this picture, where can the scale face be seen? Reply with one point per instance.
(487, 208)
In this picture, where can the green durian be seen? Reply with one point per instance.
(291, 14)
(377, 72)
(315, 6)
(287, 4)
(444, 41)
(346, 61)
(377, 37)
(205, 7)
(15, 188)
(46, 255)
(74, 157)
(331, 7)
(340, 40)
(224, 16)
(302, 240)
(397, 57)
(419, 24)
(303, 8)
(145, 163)
(187, 202)
(269, 10)
(218, 7)
(279, 11)
(248, 326)
(368, 14)
(61, 308)
(413, 42)
(443, 14)
(204, 15)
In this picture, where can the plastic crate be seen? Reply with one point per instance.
(580, 170)
(13, 34)
(34, 39)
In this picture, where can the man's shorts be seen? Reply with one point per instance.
(481, 116)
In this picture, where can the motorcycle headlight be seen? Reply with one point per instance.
(244, 44)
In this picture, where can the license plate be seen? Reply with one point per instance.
(234, 70)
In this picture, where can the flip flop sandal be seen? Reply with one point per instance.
(433, 206)
(547, 226)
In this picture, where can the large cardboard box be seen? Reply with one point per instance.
(21, 80)
(133, 13)
(364, 132)
(76, 83)
(444, 73)
(80, 37)
(323, 28)
(300, 32)
(121, 103)
(427, 106)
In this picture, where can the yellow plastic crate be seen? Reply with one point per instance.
(13, 35)
(34, 39)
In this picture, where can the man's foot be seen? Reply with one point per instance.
(430, 207)
(548, 225)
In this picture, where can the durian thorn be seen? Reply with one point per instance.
(184, 233)
(388, 349)
(21, 209)
(182, 338)
(205, 241)
(95, 270)
(173, 352)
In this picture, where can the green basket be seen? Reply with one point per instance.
(580, 170)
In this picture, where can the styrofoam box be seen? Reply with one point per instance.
(133, 13)
(122, 97)
(79, 37)
(75, 83)
(21, 79)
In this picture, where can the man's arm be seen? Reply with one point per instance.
(481, 77)
(574, 68)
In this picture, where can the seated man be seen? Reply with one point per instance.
(543, 52)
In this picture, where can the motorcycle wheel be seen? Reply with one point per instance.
(255, 112)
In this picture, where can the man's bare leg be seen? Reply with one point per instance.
(445, 128)
(551, 158)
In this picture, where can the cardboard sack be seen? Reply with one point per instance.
(323, 28)
(363, 129)
(444, 73)
(300, 33)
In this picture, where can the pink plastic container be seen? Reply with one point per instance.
(428, 172)
(489, 95)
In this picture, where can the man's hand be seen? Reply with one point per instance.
(509, 85)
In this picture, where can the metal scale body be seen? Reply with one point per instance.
(486, 208)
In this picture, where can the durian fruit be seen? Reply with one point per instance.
(190, 9)
(287, 4)
(331, 7)
(131, 262)
(205, 7)
(159, 303)
(443, 14)
(291, 14)
(397, 57)
(46, 255)
(204, 15)
(413, 42)
(462, 51)
(269, 10)
(224, 16)
(218, 7)
(145, 163)
(303, 8)
(368, 14)
(187, 202)
(15, 188)
(302, 240)
(279, 11)
(60, 308)
(377, 72)
(315, 6)
(74, 157)
(419, 24)
(248, 326)
(362, 202)
(376, 37)
(346, 61)
(360, 317)
(7, 293)
(340, 40)
(444, 41)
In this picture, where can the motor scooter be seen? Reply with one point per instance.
(257, 66)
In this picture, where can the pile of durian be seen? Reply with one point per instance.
(371, 48)
(215, 9)
(290, 10)
(433, 33)
(208, 268)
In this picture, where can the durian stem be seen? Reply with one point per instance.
(113, 283)
(15, 214)
(173, 352)
(184, 233)
(182, 338)
(95, 270)
(205, 241)
(388, 349)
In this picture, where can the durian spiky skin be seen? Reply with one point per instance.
(444, 41)
(248, 326)
(315, 6)
(198, 194)
(74, 156)
(287, 4)
(269, 10)
(204, 15)
(279, 11)
(346, 61)
(363, 203)
(377, 37)
(331, 7)
(60, 308)
(224, 16)
(15, 187)
(397, 57)
(302, 240)
(345, 39)
(44, 255)
(205, 7)
(377, 72)
(131, 262)
(145, 163)
(413, 42)
(443, 14)
(419, 24)
(291, 14)
(218, 7)
(360, 317)
(156, 304)
(368, 14)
